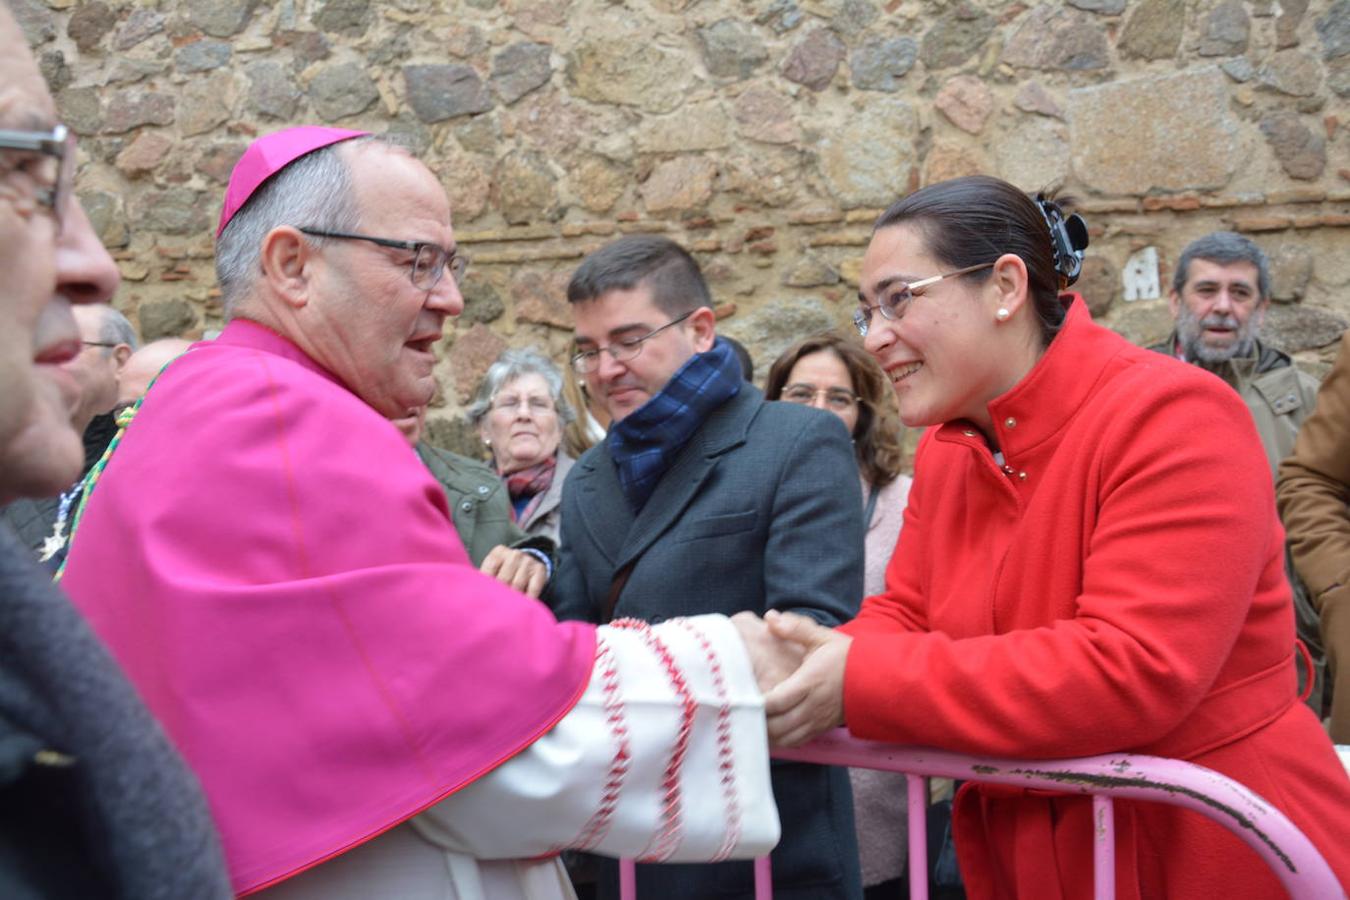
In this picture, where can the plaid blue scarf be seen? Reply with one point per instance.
(644, 443)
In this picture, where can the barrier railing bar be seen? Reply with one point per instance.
(1286, 850)
(918, 836)
(1104, 846)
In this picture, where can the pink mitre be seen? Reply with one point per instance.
(268, 155)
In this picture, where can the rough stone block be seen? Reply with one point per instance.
(342, 90)
(144, 154)
(220, 18)
(1292, 72)
(966, 102)
(1154, 30)
(598, 183)
(89, 24)
(348, 17)
(140, 25)
(201, 56)
(947, 161)
(526, 188)
(695, 126)
(541, 297)
(440, 92)
(482, 303)
(519, 69)
(134, 108)
(1291, 268)
(1032, 97)
(1169, 133)
(1301, 152)
(814, 60)
(1225, 30)
(1051, 37)
(956, 36)
(731, 49)
(469, 358)
(1333, 30)
(679, 184)
(272, 90)
(629, 71)
(878, 65)
(870, 164)
(1034, 153)
(1295, 328)
(763, 114)
(169, 318)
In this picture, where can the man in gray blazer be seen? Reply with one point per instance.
(704, 498)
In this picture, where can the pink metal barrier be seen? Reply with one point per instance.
(1293, 858)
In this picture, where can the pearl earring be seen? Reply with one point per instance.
(1002, 314)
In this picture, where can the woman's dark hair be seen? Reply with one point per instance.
(976, 219)
(876, 437)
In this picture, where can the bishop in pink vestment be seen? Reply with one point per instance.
(278, 575)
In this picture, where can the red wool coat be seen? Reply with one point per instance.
(1117, 586)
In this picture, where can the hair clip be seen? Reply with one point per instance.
(1068, 239)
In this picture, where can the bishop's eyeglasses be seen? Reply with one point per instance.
(50, 162)
(429, 260)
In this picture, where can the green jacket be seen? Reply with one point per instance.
(1278, 393)
(479, 505)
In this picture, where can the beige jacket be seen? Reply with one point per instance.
(1313, 493)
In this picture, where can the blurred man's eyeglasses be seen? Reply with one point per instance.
(894, 298)
(837, 399)
(52, 165)
(429, 261)
(587, 361)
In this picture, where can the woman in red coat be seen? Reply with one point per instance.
(1090, 563)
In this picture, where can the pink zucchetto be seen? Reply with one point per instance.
(268, 155)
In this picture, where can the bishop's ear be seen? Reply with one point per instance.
(287, 259)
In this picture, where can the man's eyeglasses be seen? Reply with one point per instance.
(587, 361)
(895, 297)
(54, 166)
(429, 261)
(837, 399)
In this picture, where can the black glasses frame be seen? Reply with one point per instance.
(435, 267)
(56, 143)
(587, 361)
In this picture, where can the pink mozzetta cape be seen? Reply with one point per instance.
(278, 575)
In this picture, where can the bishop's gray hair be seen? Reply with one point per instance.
(512, 364)
(315, 191)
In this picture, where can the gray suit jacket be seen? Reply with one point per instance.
(760, 510)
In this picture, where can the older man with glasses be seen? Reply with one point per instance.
(94, 802)
(278, 572)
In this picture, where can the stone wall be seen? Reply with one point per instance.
(764, 134)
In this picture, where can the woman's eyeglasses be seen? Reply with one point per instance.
(836, 398)
(894, 297)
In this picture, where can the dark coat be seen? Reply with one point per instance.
(94, 802)
(760, 510)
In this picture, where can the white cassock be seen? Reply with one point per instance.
(664, 758)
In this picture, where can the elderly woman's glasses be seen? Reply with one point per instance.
(836, 399)
(894, 297)
(587, 361)
(429, 261)
(52, 166)
(538, 406)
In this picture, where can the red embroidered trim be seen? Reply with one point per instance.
(663, 845)
(597, 826)
(726, 756)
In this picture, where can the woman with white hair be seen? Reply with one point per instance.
(520, 413)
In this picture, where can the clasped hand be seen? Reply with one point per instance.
(799, 665)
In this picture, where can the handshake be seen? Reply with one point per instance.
(799, 665)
